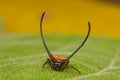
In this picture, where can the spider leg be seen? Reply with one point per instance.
(46, 62)
(75, 69)
(65, 66)
(51, 63)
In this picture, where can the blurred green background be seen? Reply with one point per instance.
(62, 16)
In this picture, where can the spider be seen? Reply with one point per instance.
(60, 63)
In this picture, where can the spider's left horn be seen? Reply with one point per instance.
(82, 42)
(42, 34)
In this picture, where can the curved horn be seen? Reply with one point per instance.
(42, 34)
(82, 42)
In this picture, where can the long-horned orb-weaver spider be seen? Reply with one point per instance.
(60, 63)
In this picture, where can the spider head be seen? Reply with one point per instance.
(60, 65)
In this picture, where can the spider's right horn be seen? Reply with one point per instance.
(42, 35)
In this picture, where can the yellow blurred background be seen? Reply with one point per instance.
(62, 17)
